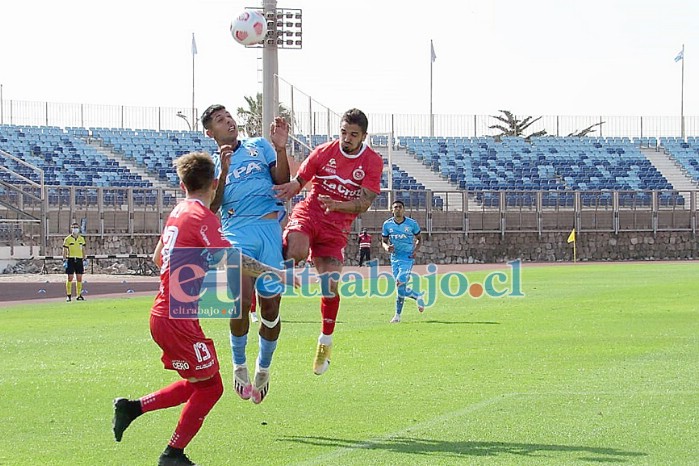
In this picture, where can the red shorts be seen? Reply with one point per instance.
(185, 347)
(325, 239)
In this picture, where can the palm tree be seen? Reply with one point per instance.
(252, 116)
(515, 127)
(586, 131)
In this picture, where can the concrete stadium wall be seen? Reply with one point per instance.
(456, 248)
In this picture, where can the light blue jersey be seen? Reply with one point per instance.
(401, 235)
(248, 193)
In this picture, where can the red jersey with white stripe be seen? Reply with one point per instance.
(365, 240)
(340, 176)
(190, 224)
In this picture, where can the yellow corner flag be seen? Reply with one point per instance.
(571, 236)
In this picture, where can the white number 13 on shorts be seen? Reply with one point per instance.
(202, 352)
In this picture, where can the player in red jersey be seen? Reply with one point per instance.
(346, 178)
(185, 347)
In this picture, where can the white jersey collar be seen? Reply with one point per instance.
(355, 155)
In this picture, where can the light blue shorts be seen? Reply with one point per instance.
(401, 269)
(261, 241)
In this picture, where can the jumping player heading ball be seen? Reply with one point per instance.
(345, 175)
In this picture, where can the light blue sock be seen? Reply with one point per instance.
(267, 347)
(412, 294)
(238, 345)
(399, 304)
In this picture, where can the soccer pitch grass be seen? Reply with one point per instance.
(596, 364)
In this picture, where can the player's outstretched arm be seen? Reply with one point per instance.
(279, 134)
(225, 152)
(288, 190)
(354, 206)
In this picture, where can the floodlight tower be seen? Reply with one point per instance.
(284, 31)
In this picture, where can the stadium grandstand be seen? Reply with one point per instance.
(119, 180)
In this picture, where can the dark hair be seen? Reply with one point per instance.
(354, 116)
(206, 116)
(196, 170)
(398, 202)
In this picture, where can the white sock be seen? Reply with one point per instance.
(324, 339)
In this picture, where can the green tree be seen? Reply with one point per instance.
(251, 117)
(512, 126)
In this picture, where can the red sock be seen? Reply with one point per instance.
(172, 395)
(206, 394)
(253, 302)
(328, 310)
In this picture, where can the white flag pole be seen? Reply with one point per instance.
(195, 123)
(682, 96)
(433, 57)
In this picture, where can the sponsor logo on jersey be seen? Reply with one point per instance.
(341, 189)
(332, 163)
(180, 365)
(245, 170)
(202, 232)
(329, 170)
(200, 367)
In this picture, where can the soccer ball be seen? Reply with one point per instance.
(249, 28)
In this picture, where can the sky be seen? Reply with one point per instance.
(539, 57)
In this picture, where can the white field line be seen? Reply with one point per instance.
(326, 458)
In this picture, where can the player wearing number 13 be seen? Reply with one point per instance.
(186, 349)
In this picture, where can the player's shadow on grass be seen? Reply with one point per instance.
(294, 321)
(457, 322)
(418, 446)
(443, 322)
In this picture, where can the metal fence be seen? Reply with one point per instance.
(130, 212)
(71, 115)
(313, 119)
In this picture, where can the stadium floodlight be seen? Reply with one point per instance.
(284, 31)
(184, 117)
(284, 28)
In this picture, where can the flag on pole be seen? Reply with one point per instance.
(680, 56)
(194, 45)
(432, 54)
(571, 239)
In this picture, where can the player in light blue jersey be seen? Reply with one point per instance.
(401, 237)
(250, 215)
